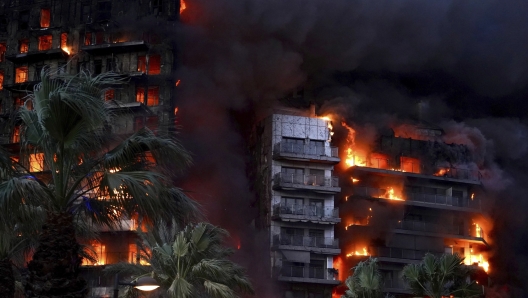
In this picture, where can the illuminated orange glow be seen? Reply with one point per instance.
(391, 195)
(178, 83)
(100, 253)
(477, 260)
(472, 196)
(442, 172)
(175, 110)
(183, 6)
(352, 158)
(338, 264)
(357, 253)
(36, 162)
(67, 50)
(354, 180)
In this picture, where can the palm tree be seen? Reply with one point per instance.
(87, 173)
(440, 276)
(365, 282)
(189, 263)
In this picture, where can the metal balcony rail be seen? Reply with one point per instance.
(288, 147)
(457, 173)
(424, 226)
(306, 241)
(381, 193)
(305, 272)
(443, 200)
(400, 253)
(306, 210)
(309, 180)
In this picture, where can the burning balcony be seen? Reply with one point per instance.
(324, 245)
(316, 183)
(308, 274)
(420, 199)
(315, 214)
(474, 234)
(457, 173)
(305, 152)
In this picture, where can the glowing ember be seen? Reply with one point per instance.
(442, 172)
(183, 6)
(354, 180)
(67, 50)
(178, 83)
(175, 110)
(472, 196)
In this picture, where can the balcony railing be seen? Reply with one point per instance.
(423, 226)
(306, 272)
(306, 210)
(288, 147)
(306, 180)
(443, 200)
(400, 253)
(381, 193)
(306, 241)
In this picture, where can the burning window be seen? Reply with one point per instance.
(23, 46)
(36, 162)
(3, 49)
(149, 64)
(21, 74)
(134, 255)
(1, 79)
(45, 42)
(379, 161)
(109, 94)
(152, 95)
(15, 137)
(64, 40)
(87, 38)
(100, 254)
(408, 164)
(45, 16)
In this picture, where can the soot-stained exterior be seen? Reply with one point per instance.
(66, 36)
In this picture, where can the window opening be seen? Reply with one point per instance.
(36, 162)
(23, 46)
(45, 17)
(21, 74)
(3, 49)
(45, 42)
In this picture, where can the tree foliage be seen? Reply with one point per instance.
(189, 263)
(440, 276)
(365, 282)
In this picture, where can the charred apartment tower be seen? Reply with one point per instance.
(96, 36)
(408, 196)
(296, 162)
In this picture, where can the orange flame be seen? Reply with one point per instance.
(357, 253)
(67, 50)
(178, 83)
(477, 260)
(183, 6)
(391, 196)
(441, 172)
(352, 159)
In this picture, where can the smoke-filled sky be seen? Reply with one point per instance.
(371, 61)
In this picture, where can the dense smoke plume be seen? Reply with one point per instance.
(371, 62)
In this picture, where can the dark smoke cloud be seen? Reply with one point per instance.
(371, 62)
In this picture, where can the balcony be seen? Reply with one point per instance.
(474, 234)
(291, 151)
(122, 225)
(417, 170)
(421, 199)
(314, 214)
(323, 245)
(316, 183)
(115, 48)
(307, 274)
(400, 254)
(36, 56)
